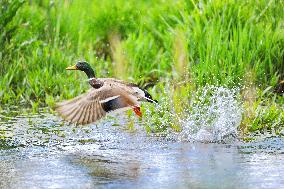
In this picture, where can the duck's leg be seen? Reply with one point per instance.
(137, 111)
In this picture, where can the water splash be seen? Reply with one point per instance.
(213, 115)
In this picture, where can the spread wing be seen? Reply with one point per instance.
(92, 106)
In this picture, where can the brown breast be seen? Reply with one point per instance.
(95, 83)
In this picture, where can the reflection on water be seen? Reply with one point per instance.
(39, 151)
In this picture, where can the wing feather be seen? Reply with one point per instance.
(87, 107)
(82, 114)
(96, 103)
(82, 109)
(88, 114)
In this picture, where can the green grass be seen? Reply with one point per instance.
(201, 42)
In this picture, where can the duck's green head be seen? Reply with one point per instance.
(83, 66)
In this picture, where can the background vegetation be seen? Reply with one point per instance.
(188, 44)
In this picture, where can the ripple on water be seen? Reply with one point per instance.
(51, 154)
(269, 145)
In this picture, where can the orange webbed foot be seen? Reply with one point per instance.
(137, 111)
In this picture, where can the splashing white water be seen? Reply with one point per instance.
(215, 115)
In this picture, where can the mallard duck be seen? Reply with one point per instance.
(105, 96)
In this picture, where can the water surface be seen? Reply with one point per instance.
(41, 151)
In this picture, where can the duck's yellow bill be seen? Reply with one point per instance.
(72, 68)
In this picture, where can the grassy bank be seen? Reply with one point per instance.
(224, 43)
